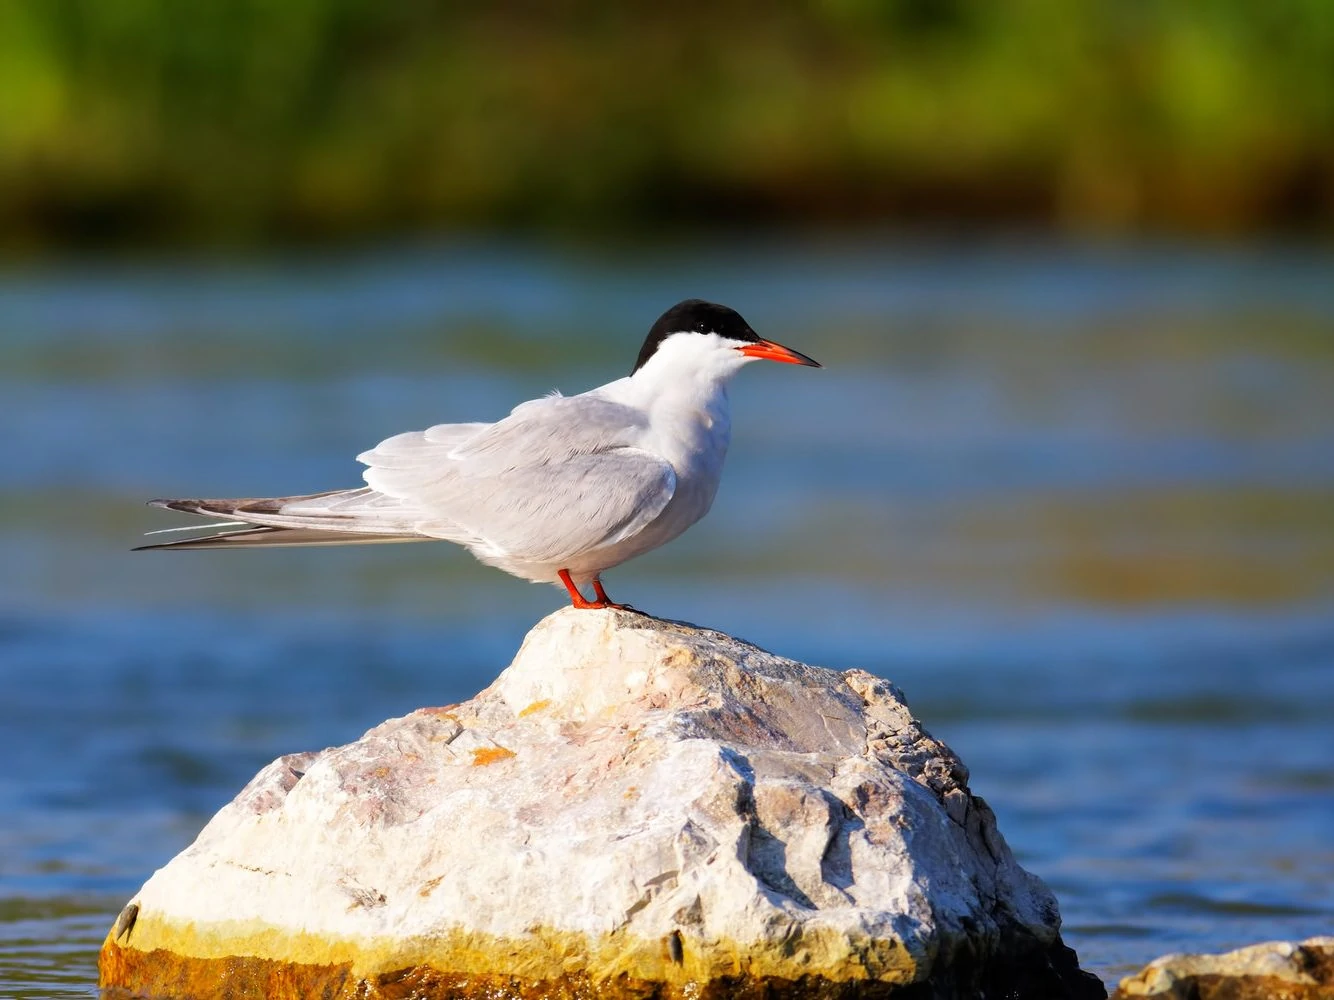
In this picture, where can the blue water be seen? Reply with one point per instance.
(1078, 502)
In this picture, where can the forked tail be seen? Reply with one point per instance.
(339, 517)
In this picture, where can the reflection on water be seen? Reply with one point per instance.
(46, 944)
(1076, 502)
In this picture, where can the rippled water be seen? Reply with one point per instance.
(1077, 502)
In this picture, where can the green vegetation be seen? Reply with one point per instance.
(231, 122)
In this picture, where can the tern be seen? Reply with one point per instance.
(561, 490)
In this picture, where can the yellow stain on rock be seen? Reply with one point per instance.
(536, 706)
(481, 756)
(246, 958)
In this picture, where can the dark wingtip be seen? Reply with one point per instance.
(155, 545)
(210, 508)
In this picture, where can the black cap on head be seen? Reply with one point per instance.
(696, 316)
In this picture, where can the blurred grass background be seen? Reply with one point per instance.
(153, 122)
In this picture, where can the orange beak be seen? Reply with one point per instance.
(770, 351)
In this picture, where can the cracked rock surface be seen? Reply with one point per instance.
(634, 807)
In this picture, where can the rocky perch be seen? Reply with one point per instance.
(635, 808)
(1276, 970)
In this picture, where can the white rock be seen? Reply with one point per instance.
(631, 802)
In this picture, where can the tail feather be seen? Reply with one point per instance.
(359, 511)
(337, 517)
(252, 536)
(239, 506)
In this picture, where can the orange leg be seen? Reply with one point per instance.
(577, 599)
(604, 599)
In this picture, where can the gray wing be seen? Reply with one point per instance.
(420, 453)
(547, 513)
(556, 477)
(550, 431)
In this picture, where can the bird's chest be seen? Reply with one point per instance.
(694, 440)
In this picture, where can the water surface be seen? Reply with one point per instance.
(1078, 502)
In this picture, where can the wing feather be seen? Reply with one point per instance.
(557, 477)
(549, 431)
(549, 513)
(417, 447)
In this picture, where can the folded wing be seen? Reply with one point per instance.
(557, 477)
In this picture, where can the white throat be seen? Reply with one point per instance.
(688, 365)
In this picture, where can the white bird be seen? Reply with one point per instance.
(561, 490)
